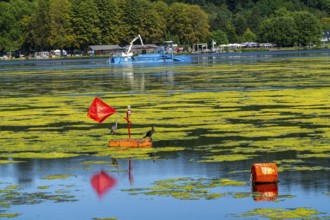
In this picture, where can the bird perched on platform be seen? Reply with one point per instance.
(150, 132)
(114, 128)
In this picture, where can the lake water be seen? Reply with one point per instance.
(214, 118)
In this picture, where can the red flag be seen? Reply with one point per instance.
(102, 182)
(99, 110)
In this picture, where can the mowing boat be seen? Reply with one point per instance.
(164, 55)
(131, 142)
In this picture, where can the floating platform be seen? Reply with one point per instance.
(131, 142)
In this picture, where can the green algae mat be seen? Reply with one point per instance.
(242, 111)
(236, 112)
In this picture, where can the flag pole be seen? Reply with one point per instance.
(128, 113)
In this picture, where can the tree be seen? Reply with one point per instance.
(240, 24)
(153, 24)
(253, 18)
(188, 22)
(308, 28)
(179, 21)
(279, 30)
(231, 33)
(110, 22)
(200, 24)
(219, 16)
(11, 27)
(59, 21)
(325, 23)
(249, 36)
(6, 19)
(85, 23)
(162, 10)
(220, 37)
(37, 27)
(154, 28)
(141, 17)
(268, 7)
(281, 12)
(266, 31)
(320, 4)
(132, 12)
(285, 31)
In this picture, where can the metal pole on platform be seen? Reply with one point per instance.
(128, 113)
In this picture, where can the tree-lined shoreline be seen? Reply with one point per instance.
(39, 25)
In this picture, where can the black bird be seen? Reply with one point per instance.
(114, 128)
(150, 132)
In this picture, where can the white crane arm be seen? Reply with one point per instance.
(131, 44)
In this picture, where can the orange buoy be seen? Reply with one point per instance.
(264, 173)
(131, 142)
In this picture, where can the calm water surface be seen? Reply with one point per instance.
(308, 189)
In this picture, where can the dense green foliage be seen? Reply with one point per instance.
(75, 24)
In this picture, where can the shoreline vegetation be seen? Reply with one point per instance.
(45, 25)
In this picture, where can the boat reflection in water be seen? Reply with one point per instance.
(265, 192)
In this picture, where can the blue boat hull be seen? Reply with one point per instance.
(148, 58)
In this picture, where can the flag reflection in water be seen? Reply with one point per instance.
(102, 183)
